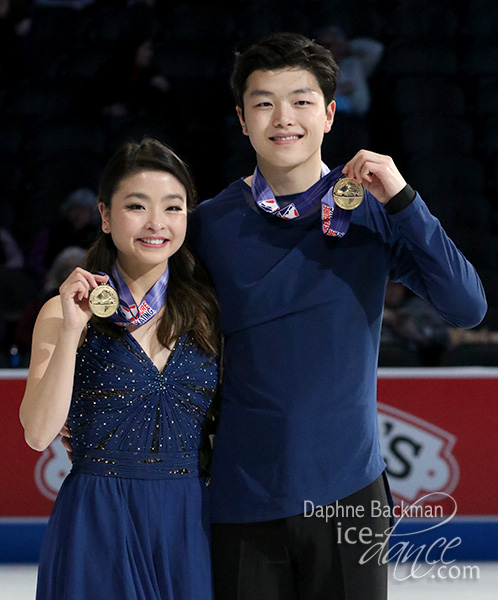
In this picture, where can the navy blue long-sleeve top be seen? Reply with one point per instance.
(301, 316)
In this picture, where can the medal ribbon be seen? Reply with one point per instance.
(335, 220)
(128, 312)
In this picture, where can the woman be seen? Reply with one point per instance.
(130, 520)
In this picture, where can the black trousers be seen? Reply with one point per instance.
(306, 557)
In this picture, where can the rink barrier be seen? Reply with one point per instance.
(449, 415)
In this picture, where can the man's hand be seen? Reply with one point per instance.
(66, 441)
(378, 174)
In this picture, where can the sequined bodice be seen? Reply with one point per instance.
(123, 403)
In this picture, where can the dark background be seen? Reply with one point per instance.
(434, 108)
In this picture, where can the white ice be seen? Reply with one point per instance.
(469, 581)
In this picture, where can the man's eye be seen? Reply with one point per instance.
(302, 102)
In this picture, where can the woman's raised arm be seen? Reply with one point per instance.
(57, 334)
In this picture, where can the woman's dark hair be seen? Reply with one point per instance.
(285, 50)
(190, 305)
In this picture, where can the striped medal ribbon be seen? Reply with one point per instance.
(335, 220)
(128, 312)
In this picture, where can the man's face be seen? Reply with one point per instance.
(285, 117)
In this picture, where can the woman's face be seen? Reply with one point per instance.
(147, 219)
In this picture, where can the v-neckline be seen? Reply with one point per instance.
(142, 351)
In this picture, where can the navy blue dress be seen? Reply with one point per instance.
(131, 520)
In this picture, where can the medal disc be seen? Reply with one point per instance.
(348, 193)
(103, 301)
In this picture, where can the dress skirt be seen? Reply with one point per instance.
(127, 539)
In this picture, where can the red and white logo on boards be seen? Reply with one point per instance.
(51, 469)
(418, 455)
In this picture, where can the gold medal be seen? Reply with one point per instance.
(348, 193)
(103, 300)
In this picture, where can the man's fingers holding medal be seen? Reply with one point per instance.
(365, 165)
(377, 172)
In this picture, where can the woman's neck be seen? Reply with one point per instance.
(139, 279)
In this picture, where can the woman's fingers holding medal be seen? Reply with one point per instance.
(75, 292)
(79, 284)
(377, 173)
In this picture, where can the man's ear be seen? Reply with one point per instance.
(329, 116)
(240, 114)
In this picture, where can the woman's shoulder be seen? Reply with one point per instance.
(50, 313)
(50, 319)
(52, 307)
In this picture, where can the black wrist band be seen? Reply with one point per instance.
(401, 200)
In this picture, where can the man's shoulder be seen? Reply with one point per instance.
(212, 218)
(221, 201)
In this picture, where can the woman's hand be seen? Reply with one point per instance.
(74, 293)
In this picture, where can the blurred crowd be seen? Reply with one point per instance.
(419, 81)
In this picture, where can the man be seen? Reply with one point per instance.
(301, 300)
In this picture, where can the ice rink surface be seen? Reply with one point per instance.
(470, 582)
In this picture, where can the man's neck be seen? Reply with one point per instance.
(284, 181)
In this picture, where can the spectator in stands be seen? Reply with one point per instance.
(75, 4)
(15, 23)
(64, 264)
(357, 59)
(77, 225)
(11, 256)
(130, 82)
(411, 322)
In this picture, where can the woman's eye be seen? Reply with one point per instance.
(174, 208)
(135, 207)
